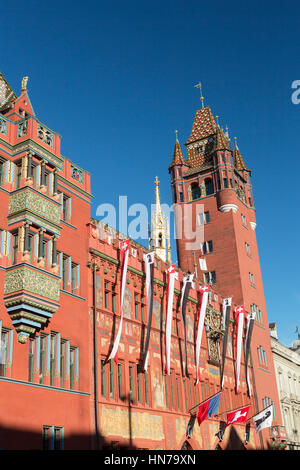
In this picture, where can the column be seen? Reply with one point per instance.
(29, 165)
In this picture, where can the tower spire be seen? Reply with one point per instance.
(199, 85)
(160, 235)
(239, 163)
(178, 158)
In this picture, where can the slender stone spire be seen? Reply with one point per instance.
(160, 235)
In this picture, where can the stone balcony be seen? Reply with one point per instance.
(31, 296)
(27, 203)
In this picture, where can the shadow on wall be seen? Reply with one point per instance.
(22, 439)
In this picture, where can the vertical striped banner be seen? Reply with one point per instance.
(124, 253)
(171, 272)
(201, 317)
(239, 320)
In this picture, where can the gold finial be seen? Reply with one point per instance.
(176, 133)
(235, 144)
(156, 182)
(24, 83)
(199, 85)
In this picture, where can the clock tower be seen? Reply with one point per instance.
(216, 235)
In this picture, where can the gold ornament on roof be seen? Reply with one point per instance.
(24, 83)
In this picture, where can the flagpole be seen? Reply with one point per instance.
(204, 401)
(259, 412)
(231, 411)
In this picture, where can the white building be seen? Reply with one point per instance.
(287, 368)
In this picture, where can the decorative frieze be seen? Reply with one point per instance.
(34, 202)
(36, 282)
(45, 135)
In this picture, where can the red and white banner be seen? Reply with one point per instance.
(171, 273)
(201, 317)
(187, 284)
(149, 267)
(239, 321)
(238, 416)
(249, 329)
(124, 252)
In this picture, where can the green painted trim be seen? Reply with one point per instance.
(47, 387)
(82, 191)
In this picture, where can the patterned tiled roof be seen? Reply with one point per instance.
(220, 142)
(178, 158)
(204, 125)
(239, 163)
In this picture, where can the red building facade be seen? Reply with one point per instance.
(60, 307)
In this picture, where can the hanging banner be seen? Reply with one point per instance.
(250, 324)
(187, 284)
(201, 317)
(171, 273)
(124, 252)
(149, 268)
(225, 328)
(239, 321)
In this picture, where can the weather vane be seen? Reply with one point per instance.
(199, 85)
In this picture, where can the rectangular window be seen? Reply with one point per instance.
(18, 175)
(52, 359)
(180, 196)
(139, 388)
(146, 388)
(111, 379)
(102, 373)
(72, 366)
(207, 247)
(225, 183)
(136, 306)
(210, 277)
(244, 220)
(185, 394)
(64, 272)
(65, 206)
(58, 438)
(177, 392)
(74, 270)
(204, 218)
(3, 351)
(106, 295)
(62, 362)
(252, 280)
(248, 249)
(131, 383)
(15, 245)
(113, 300)
(120, 394)
(172, 391)
(42, 359)
(143, 312)
(46, 438)
(166, 391)
(31, 360)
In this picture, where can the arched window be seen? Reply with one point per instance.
(195, 191)
(209, 186)
(160, 240)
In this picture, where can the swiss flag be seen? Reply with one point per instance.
(238, 416)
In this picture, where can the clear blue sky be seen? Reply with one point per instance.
(117, 78)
